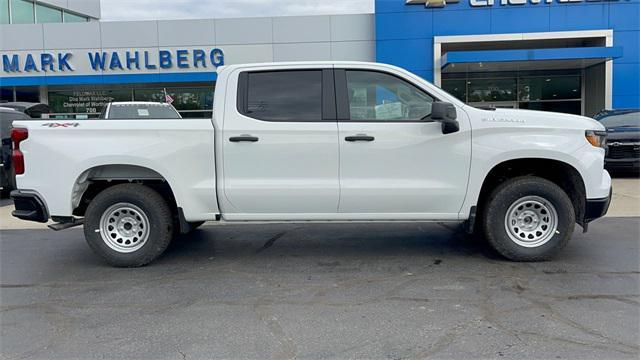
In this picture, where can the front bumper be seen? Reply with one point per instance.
(29, 206)
(630, 164)
(596, 208)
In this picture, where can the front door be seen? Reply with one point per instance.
(280, 152)
(394, 161)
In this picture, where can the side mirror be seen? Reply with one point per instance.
(445, 113)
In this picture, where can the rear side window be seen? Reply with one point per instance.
(142, 111)
(294, 95)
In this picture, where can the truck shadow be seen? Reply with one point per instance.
(342, 241)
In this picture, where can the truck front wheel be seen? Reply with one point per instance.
(129, 225)
(528, 219)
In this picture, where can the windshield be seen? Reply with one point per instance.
(142, 111)
(630, 119)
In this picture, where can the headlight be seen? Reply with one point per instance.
(596, 138)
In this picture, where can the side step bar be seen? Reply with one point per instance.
(65, 223)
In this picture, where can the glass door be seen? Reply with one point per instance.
(551, 93)
(560, 92)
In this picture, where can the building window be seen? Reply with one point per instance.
(22, 12)
(4, 12)
(190, 102)
(28, 94)
(457, 88)
(155, 95)
(549, 88)
(46, 14)
(490, 90)
(84, 103)
(6, 95)
(73, 18)
(559, 91)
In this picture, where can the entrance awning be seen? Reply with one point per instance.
(527, 59)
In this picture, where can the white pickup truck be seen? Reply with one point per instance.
(316, 141)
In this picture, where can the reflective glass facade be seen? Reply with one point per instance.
(559, 91)
(191, 100)
(47, 14)
(30, 12)
(22, 12)
(4, 11)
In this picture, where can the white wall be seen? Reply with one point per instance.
(335, 37)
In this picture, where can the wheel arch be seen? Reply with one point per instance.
(99, 177)
(560, 172)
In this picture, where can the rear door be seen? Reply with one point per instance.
(395, 162)
(280, 151)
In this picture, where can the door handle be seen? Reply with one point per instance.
(359, 137)
(243, 138)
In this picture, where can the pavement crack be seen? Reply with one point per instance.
(16, 286)
(271, 241)
(620, 298)
(184, 356)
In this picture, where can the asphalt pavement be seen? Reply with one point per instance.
(370, 291)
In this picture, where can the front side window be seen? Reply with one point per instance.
(376, 96)
(294, 95)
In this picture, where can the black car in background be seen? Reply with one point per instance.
(10, 112)
(623, 139)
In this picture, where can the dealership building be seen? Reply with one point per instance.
(574, 56)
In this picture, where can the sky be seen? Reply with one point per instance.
(114, 10)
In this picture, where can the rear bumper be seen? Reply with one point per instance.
(596, 208)
(29, 206)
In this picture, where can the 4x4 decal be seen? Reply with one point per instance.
(62, 125)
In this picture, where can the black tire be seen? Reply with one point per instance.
(139, 198)
(528, 190)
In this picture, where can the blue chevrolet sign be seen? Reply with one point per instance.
(106, 61)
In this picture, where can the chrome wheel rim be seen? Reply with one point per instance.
(124, 227)
(531, 221)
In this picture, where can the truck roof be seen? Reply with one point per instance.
(298, 63)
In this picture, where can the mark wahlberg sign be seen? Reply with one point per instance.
(112, 61)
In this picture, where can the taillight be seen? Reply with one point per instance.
(17, 158)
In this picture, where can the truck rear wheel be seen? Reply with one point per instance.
(528, 219)
(129, 225)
